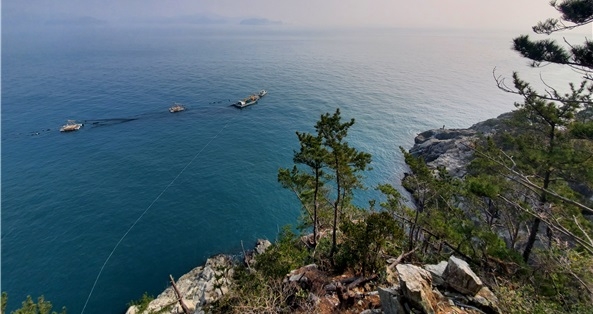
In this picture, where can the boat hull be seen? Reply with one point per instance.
(242, 104)
(251, 100)
(71, 127)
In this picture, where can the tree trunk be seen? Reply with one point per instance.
(543, 198)
(531, 239)
(315, 207)
(179, 297)
(336, 206)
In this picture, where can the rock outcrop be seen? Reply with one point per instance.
(437, 271)
(452, 148)
(461, 290)
(459, 276)
(201, 286)
(416, 287)
(260, 247)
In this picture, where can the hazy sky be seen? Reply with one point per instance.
(500, 14)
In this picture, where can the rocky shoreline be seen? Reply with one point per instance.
(452, 148)
(200, 286)
(448, 287)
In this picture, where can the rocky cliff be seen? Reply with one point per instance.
(451, 148)
(448, 287)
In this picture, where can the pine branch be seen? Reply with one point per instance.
(524, 180)
(552, 224)
(529, 93)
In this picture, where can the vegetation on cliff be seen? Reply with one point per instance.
(519, 215)
(29, 306)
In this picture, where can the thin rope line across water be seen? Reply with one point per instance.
(145, 211)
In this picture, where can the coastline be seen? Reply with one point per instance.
(205, 284)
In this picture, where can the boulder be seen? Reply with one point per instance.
(486, 301)
(301, 274)
(416, 287)
(459, 276)
(436, 271)
(391, 301)
(261, 246)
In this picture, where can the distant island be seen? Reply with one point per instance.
(76, 21)
(256, 21)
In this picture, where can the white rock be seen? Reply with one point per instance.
(416, 287)
(436, 271)
(460, 277)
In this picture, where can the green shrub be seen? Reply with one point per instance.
(283, 256)
(364, 240)
(142, 303)
(29, 307)
(525, 300)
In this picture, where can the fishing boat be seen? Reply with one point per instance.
(70, 126)
(250, 100)
(176, 108)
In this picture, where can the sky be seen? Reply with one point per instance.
(464, 14)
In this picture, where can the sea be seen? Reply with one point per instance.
(93, 219)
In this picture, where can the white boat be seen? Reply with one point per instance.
(176, 108)
(70, 126)
(250, 100)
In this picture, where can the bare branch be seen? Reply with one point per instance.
(179, 297)
(523, 180)
(501, 84)
(400, 258)
(554, 93)
(583, 231)
(554, 224)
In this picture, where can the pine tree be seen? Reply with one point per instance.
(313, 155)
(326, 155)
(345, 162)
(553, 145)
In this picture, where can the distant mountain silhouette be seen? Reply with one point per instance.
(76, 21)
(256, 21)
(193, 19)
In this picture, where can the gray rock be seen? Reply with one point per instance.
(391, 301)
(261, 246)
(416, 287)
(298, 278)
(486, 301)
(299, 275)
(446, 148)
(460, 277)
(132, 310)
(452, 148)
(202, 285)
(313, 298)
(369, 311)
(436, 271)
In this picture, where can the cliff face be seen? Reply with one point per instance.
(452, 148)
(429, 290)
(200, 286)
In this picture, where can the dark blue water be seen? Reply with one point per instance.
(67, 199)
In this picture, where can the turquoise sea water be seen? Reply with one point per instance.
(67, 199)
